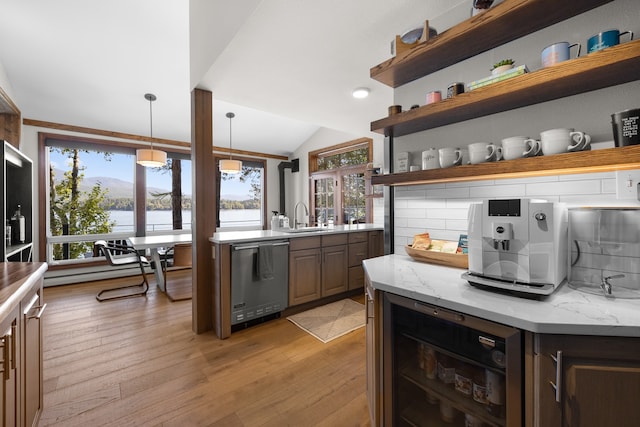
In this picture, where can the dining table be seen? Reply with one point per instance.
(156, 243)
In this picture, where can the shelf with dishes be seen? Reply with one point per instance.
(498, 25)
(608, 67)
(608, 159)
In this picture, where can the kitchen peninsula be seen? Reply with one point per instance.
(576, 358)
(322, 264)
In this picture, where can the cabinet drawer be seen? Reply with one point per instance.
(357, 253)
(304, 243)
(335, 239)
(360, 236)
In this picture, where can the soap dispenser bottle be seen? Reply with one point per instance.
(274, 220)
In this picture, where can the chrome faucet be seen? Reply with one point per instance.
(606, 285)
(295, 214)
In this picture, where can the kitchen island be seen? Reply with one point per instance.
(323, 264)
(571, 358)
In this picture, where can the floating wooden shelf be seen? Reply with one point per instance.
(615, 65)
(503, 23)
(610, 159)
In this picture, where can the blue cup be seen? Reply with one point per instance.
(606, 39)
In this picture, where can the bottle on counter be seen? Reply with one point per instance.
(274, 220)
(18, 222)
(7, 234)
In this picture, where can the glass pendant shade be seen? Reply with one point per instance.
(151, 158)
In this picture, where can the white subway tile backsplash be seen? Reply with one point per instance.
(564, 188)
(442, 209)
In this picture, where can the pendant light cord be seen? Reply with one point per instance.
(150, 97)
(230, 115)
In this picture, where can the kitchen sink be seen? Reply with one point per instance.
(304, 229)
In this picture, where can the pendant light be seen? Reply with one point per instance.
(229, 165)
(149, 157)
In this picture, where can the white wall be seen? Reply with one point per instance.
(441, 209)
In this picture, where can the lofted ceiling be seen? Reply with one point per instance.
(286, 68)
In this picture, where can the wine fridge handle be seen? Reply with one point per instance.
(558, 384)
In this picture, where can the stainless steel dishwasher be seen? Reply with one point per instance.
(259, 280)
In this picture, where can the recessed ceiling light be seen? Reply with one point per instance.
(361, 92)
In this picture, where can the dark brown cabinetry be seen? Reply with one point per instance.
(305, 260)
(373, 310)
(586, 381)
(335, 273)
(358, 251)
(32, 307)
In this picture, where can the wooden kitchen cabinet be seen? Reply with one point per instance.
(335, 264)
(304, 273)
(586, 381)
(21, 344)
(358, 251)
(373, 310)
(32, 308)
(10, 390)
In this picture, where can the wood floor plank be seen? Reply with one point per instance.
(136, 362)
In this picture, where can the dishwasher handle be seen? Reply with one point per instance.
(257, 246)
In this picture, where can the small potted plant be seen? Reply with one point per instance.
(502, 66)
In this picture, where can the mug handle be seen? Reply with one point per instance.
(533, 148)
(491, 151)
(581, 142)
(579, 47)
(623, 33)
(458, 160)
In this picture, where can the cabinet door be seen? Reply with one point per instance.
(373, 354)
(9, 390)
(335, 273)
(599, 381)
(32, 310)
(304, 276)
(376, 244)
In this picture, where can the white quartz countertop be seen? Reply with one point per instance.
(256, 235)
(566, 311)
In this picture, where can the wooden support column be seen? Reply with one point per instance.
(204, 206)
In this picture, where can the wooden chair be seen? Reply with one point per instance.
(119, 255)
(181, 255)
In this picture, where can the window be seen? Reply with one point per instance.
(338, 184)
(240, 197)
(96, 191)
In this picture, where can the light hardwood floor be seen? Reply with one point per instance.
(136, 362)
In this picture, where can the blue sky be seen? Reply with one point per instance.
(121, 167)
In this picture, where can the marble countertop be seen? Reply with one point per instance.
(566, 311)
(255, 235)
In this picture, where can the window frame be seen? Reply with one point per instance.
(338, 174)
(263, 162)
(139, 192)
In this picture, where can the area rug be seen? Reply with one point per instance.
(331, 321)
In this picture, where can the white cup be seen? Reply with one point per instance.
(430, 159)
(516, 147)
(563, 140)
(449, 157)
(480, 152)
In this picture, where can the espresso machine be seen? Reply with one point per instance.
(518, 245)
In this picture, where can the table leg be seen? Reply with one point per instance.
(155, 257)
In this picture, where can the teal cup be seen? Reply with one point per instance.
(606, 39)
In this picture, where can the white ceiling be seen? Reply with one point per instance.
(285, 67)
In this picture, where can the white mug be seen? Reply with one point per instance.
(516, 147)
(480, 152)
(563, 140)
(449, 157)
(430, 159)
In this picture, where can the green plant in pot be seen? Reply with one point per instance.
(502, 66)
